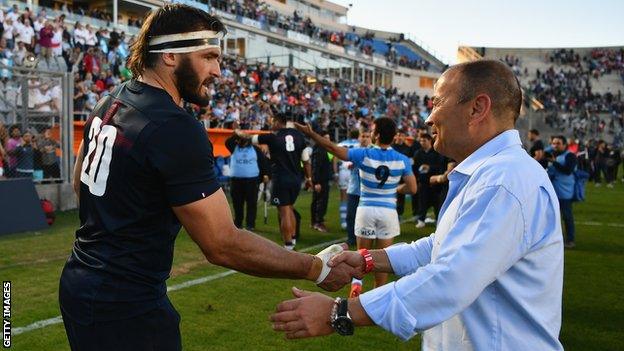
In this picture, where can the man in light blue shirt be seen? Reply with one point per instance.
(491, 276)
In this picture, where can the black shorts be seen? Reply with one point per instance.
(158, 329)
(284, 193)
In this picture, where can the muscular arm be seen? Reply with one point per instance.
(209, 223)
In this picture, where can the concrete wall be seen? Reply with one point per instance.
(61, 195)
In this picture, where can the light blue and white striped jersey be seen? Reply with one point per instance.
(349, 144)
(380, 172)
(354, 180)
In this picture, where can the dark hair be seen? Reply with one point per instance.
(534, 131)
(13, 127)
(169, 19)
(354, 134)
(426, 136)
(562, 138)
(386, 129)
(493, 78)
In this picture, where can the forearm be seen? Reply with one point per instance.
(338, 151)
(252, 254)
(307, 170)
(381, 261)
(358, 314)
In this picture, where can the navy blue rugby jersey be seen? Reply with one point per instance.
(143, 155)
(285, 148)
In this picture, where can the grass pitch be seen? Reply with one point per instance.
(231, 312)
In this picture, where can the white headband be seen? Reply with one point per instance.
(185, 42)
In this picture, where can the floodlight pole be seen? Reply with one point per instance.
(115, 13)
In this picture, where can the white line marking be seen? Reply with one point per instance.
(600, 224)
(58, 319)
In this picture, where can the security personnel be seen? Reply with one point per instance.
(248, 166)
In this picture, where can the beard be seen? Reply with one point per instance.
(188, 84)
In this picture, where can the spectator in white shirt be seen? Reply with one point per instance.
(90, 39)
(26, 35)
(9, 32)
(80, 35)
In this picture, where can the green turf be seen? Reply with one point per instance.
(232, 312)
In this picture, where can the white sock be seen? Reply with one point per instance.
(356, 281)
(290, 247)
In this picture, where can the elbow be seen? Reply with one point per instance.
(218, 250)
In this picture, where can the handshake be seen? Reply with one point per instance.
(334, 267)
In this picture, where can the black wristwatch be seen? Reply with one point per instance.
(340, 319)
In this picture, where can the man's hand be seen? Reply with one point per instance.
(352, 258)
(304, 317)
(239, 133)
(340, 274)
(304, 128)
(317, 188)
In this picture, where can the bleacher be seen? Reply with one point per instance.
(590, 120)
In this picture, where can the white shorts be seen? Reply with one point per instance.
(376, 223)
(343, 178)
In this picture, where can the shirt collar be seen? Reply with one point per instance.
(497, 144)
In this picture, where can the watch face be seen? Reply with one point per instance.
(344, 325)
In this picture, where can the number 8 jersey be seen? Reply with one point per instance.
(380, 172)
(143, 155)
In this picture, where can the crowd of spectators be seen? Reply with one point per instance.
(565, 91)
(327, 104)
(261, 12)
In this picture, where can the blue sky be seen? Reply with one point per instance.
(443, 25)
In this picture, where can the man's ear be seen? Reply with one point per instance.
(480, 108)
(169, 59)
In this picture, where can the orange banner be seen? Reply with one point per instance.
(217, 137)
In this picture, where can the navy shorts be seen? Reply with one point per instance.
(158, 329)
(284, 193)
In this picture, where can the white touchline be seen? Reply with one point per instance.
(58, 319)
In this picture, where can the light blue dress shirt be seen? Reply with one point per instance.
(491, 276)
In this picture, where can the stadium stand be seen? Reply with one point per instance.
(574, 91)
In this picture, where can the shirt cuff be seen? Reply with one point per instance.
(254, 139)
(402, 259)
(385, 308)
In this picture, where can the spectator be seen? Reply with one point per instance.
(80, 35)
(45, 39)
(15, 140)
(9, 32)
(49, 160)
(562, 165)
(26, 35)
(25, 157)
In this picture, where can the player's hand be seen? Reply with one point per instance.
(304, 317)
(340, 275)
(308, 184)
(351, 258)
(304, 128)
(317, 188)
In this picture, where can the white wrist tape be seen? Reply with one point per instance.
(325, 256)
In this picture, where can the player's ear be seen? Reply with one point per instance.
(169, 59)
